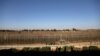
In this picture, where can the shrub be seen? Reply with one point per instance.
(85, 48)
(36, 49)
(13, 50)
(93, 48)
(26, 49)
(63, 49)
(45, 49)
(72, 48)
(30, 49)
(58, 49)
(68, 48)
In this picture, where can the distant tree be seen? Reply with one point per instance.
(74, 29)
(42, 30)
(19, 32)
(66, 30)
(47, 30)
(25, 30)
(54, 30)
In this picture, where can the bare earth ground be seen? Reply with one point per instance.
(75, 38)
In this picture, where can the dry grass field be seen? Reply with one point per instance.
(48, 37)
(72, 43)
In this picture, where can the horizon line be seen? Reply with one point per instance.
(55, 29)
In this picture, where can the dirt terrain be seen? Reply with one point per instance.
(48, 37)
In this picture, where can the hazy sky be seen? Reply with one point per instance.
(23, 14)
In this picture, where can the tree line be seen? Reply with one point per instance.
(73, 29)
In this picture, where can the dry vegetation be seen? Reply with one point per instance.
(47, 36)
(46, 51)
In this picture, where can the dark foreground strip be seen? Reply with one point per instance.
(49, 53)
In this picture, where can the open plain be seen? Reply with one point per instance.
(57, 38)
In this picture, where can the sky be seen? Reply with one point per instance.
(49, 14)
